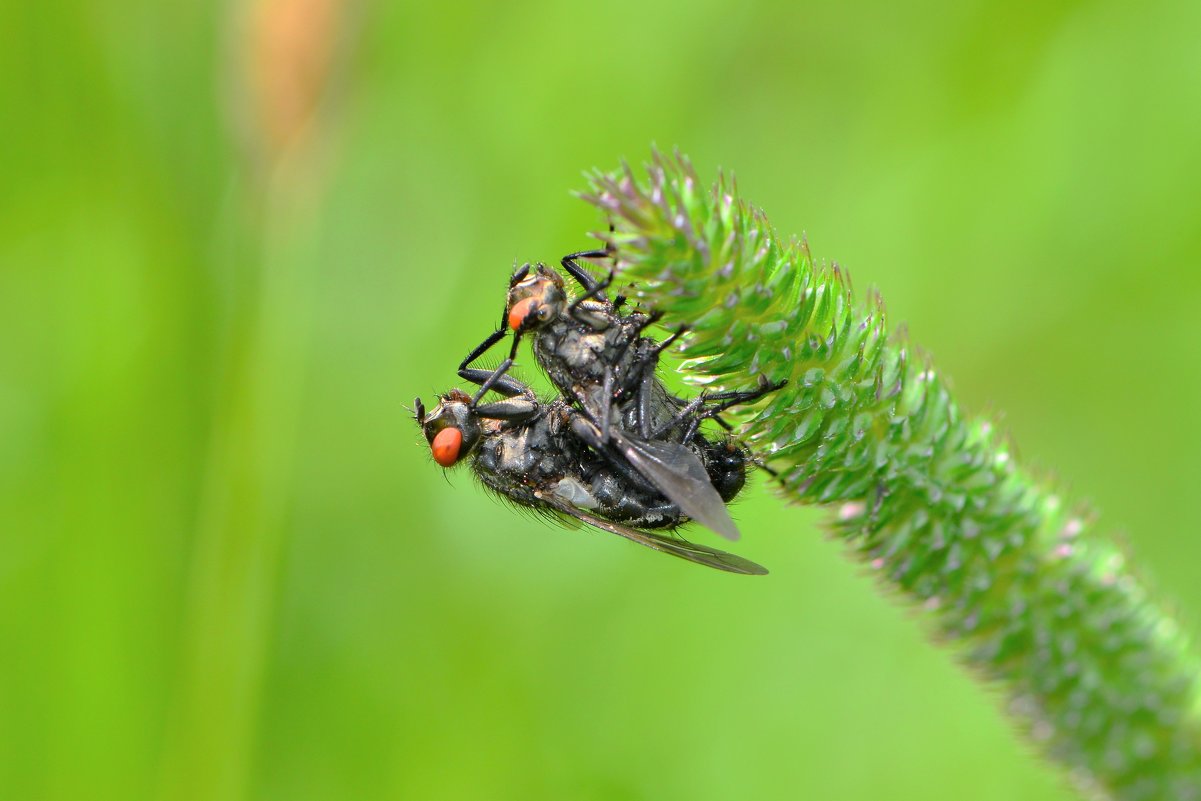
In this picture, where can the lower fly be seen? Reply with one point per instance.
(546, 456)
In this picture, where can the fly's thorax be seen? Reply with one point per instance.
(569, 354)
(536, 454)
(577, 350)
(572, 354)
(515, 451)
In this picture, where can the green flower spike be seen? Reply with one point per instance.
(1010, 575)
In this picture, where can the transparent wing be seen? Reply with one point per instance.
(679, 474)
(698, 554)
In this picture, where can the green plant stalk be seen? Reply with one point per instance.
(1097, 675)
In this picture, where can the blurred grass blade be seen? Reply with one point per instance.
(274, 232)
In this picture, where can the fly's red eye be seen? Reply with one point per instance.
(519, 312)
(445, 446)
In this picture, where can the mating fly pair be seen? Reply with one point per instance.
(617, 450)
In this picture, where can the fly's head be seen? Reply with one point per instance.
(452, 427)
(536, 296)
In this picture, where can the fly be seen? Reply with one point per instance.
(533, 454)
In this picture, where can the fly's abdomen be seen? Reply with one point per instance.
(726, 463)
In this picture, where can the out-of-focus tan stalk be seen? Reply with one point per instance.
(278, 69)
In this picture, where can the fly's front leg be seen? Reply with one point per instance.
(495, 379)
(511, 411)
(490, 379)
(582, 276)
(486, 378)
(518, 276)
(482, 348)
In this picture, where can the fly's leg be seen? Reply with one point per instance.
(726, 400)
(490, 379)
(495, 379)
(646, 393)
(512, 411)
(482, 348)
(693, 427)
(644, 373)
(606, 403)
(595, 292)
(593, 429)
(582, 276)
(657, 351)
(519, 275)
(520, 405)
(634, 336)
(701, 408)
(648, 360)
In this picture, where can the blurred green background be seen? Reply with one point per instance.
(235, 239)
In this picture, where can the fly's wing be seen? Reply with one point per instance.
(680, 476)
(699, 554)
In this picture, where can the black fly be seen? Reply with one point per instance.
(602, 364)
(544, 456)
